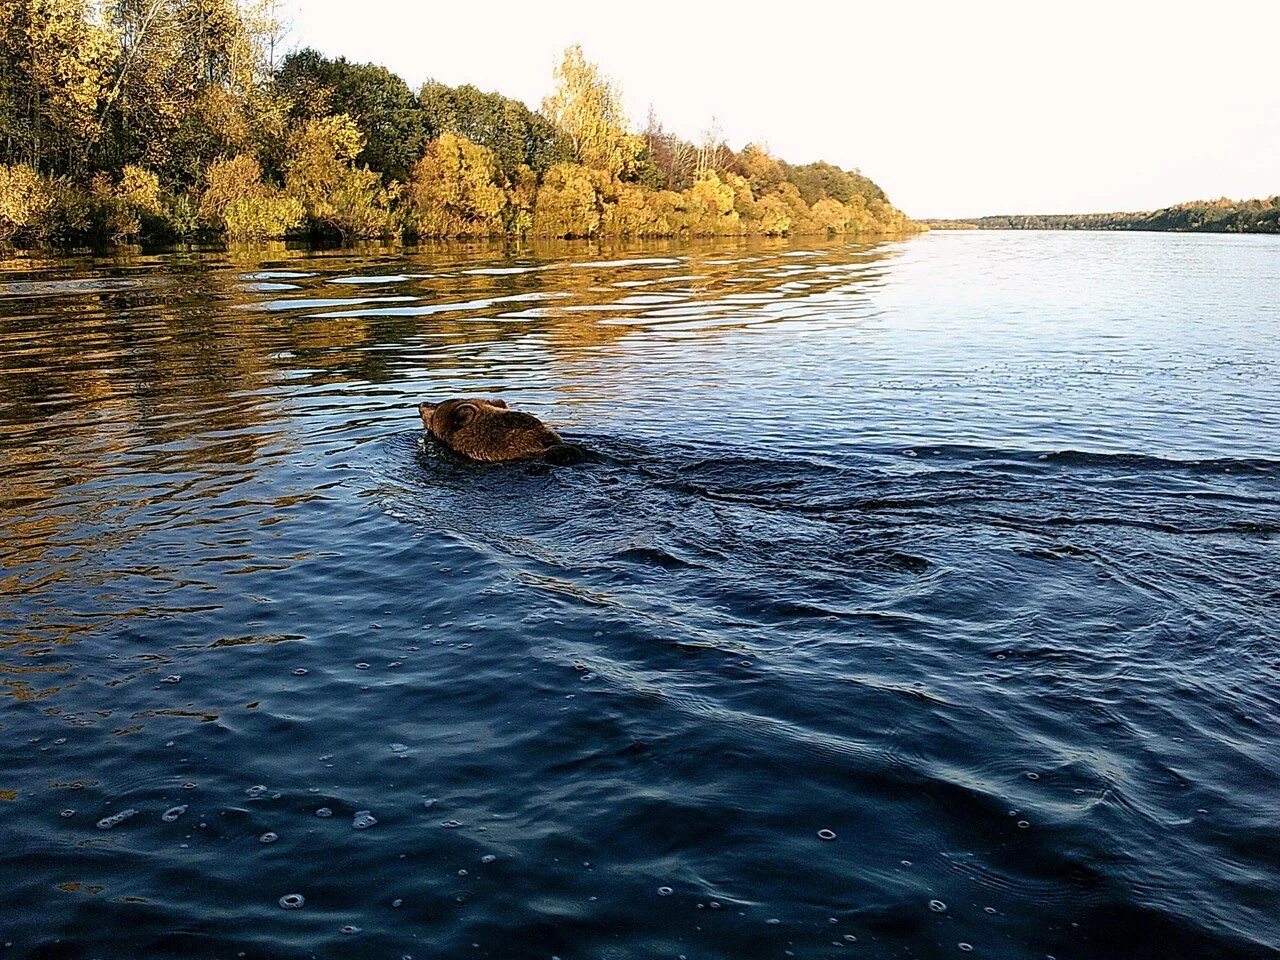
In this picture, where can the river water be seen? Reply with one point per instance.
(920, 598)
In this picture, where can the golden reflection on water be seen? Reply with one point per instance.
(135, 383)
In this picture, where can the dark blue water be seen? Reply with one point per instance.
(964, 550)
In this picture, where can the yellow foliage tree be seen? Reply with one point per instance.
(236, 200)
(336, 196)
(886, 217)
(25, 200)
(55, 61)
(773, 216)
(455, 190)
(830, 215)
(710, 207)
(860, 219)
(568, 203)
(763, 172)
(587, 110)
(636, 212)
(123, 207)
(744, 199)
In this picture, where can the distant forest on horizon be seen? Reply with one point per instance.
(168, 121)
(1202, 216)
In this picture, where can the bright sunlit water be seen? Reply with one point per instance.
(921, 598)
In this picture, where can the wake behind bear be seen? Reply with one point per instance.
(490, 432)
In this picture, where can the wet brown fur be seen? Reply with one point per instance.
(487, 430)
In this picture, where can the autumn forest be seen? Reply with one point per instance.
(164, 121)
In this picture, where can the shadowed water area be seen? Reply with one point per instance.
(920, 599)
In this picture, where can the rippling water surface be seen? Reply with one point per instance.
(923, 599)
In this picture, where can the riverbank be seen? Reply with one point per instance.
(120, 125)
(598, 247)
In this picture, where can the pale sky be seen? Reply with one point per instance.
(955, 108)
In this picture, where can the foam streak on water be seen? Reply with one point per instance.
(918, 598)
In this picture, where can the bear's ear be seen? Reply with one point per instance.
(465, 413)
(498, 402)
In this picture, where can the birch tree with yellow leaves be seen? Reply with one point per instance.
(587, 110)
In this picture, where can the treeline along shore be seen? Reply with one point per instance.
(171, 120)
(1203, 216)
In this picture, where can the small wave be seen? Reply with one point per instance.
(369, 280)
(1132, 462)
(47, 288)
(310, 303)
(635, 262)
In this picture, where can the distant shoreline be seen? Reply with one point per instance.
(1205, 216)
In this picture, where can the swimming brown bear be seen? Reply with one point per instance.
(487, 430)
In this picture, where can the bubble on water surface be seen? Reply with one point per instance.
(350, 929)
(451, 824)
(399, 748)
(324, 812)
(488, 858)
(106, 823)
(965, 947)
(174, 678)
(67, 813)
(292, 901)
(256, 791)
(269, 837)
(665, 891)
(937, 906)
(300, 672)
(173, 813)
(362, 666)
(363, 820)
(827, 834)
